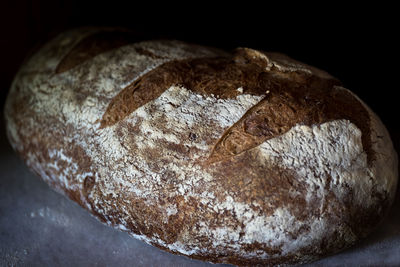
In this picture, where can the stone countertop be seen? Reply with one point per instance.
(39, 227)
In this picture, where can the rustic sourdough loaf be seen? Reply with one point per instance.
(246, 157)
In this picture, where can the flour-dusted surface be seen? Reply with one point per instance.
(312, 189)
(41, 227)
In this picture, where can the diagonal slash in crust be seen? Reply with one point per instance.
(289, 97)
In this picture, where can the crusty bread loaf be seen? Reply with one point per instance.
(245, 157)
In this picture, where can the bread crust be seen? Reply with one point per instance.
(245, 158)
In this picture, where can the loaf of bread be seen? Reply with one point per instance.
(243, 157)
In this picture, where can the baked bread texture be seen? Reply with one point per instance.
(245, 158)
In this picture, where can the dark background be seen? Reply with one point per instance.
(354, 43)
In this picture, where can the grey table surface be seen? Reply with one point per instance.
(39, 227)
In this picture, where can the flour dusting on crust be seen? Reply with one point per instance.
(146, 175)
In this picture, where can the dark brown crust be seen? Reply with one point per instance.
(299, 99)
(290, 98)
(293, 97)
(94, 45)
(218, 76)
